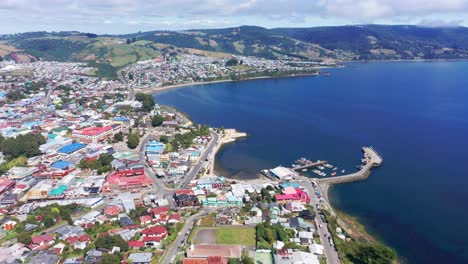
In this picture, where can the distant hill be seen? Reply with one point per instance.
(343, 43)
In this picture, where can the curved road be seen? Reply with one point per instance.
(171, 251)
(197, 167)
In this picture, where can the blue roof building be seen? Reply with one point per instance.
(31, 124)
(289, 184)
(71, 148)
(154, 147)
(61, 164)
(120, 119)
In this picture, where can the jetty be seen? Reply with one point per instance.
(372, 159)
(310, 164)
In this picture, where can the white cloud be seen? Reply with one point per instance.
(132, 15)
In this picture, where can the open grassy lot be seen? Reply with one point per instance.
(236, 236)
(207, 221)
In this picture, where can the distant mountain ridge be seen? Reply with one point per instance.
(342, 43)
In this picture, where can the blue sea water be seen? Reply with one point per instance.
(415, 114)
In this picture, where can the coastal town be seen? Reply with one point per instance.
(92, 172)
(189, 68)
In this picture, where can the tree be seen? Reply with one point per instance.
(164, 139)
(265, 194)
(22, 145)
(15, 95)
(48, 221)
(111, 241)
(375, 254)
(110, 258)
(133, 140)
(246, 259)
(24, 238)
(118, 137)
(146, 100)
(232, 62)
(129, 41)
(157, 120)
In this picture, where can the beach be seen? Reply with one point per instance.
(159, 89)
(227, 136)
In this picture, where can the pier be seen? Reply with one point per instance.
(373, 159)
(312, 164)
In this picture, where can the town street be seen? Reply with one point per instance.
(330, 252)
(171, 251)
(196, 167)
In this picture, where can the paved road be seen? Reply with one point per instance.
(330, 252)
(131, 92)
(173, 248)
(196, 167)
(158, 186)
(48, 96)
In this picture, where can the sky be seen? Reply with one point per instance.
(128, 16)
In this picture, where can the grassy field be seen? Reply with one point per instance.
(6, 49)
(213, 54)
(207, 221)
(236, 236)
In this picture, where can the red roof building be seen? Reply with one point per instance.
(195, 261)
(154, 233)
(297, 196)
(120, 181)
(183, 191)
(174, 218)
(6, 184)
(217, 260)
(112, 210)
(41, 242)
(157, 212)
(145, 219)
(136, 244)
(92, 134)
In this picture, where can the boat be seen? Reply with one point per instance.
(335, 168)
(321, 167)
(333, 173)
(304, 170)
(343, 171)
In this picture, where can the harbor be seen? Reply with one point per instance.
(305, 164)
(370, 159)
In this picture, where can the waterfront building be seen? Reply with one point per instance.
(283, 173)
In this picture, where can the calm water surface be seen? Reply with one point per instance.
(414, 114)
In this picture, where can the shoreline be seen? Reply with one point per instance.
(347, 221)
(230, 135)
(158, 89)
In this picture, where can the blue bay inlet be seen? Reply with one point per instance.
(414, 113)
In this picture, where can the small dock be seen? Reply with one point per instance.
(309, 165)
(373, 159)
